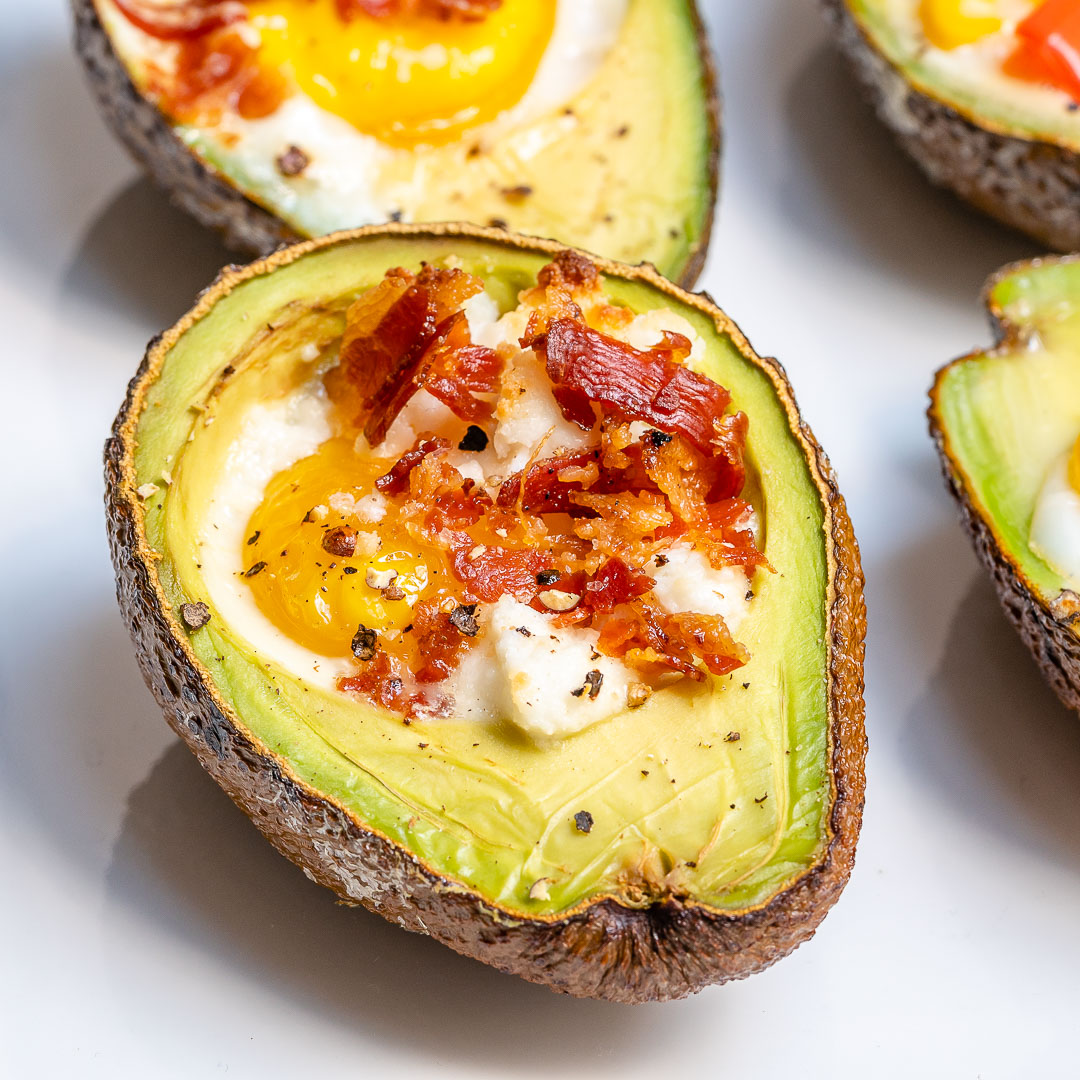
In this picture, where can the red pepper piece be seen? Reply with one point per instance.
(1049, 49)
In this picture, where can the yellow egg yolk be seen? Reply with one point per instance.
(315, 596)
(1073, 468)
(406, 79)
(948, 24)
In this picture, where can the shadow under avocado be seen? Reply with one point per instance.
(189, 860)
(878, 197)
(144, 259)
(991, 737)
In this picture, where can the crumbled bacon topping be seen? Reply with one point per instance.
(581, 524)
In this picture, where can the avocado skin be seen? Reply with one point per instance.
(1029, 184)
(245, 227)
(601, 950)
(191, 185)
(1050, 631)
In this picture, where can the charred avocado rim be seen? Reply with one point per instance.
(206, 193)
(1050, 630)
(601, 947)
(1030, 184)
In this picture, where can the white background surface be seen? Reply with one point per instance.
(146, 930)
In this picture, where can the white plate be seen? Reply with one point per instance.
(147, 931)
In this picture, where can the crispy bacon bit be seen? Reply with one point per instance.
(383, 682)
(497, 571)
(647, 386)
(569, 270)
(546, 492)
(439, 642)
(688, 643)
(626, 523)
(613, 584)
(406, 333)
(189, 19)
(396, 481)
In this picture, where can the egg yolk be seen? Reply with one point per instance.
(320, 598)
(948, 24)
(1073, 467)
(408, 78)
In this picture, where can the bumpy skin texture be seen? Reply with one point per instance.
(1030, 184)
(208, 196)
(192, 185)
(668, 950)
(1050, 630)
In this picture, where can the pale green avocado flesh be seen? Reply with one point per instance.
(624, 168)
(728, 822)
(968, 78)
(1009, 413)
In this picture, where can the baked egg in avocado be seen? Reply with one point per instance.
(984, 96)
(507, 592)
(1006, 421)
(277, 119)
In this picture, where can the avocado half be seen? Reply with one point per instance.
(1016, 164)
(724, 820)
(637, 181)
(999, 418)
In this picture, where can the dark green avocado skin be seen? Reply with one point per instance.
(1029, 184)
(669, 949)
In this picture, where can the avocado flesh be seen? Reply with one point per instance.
(1010, 412)
(499, 816)
(1002, 104)
(633, 181)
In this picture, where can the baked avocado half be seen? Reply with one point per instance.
(1006, 422)
(596, 122)
(696, 835)
(984, 100)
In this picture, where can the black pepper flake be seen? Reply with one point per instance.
(524, 631)
(309, 516)
(644, 772)
(422, 745)
(364, 643)
(621, 133)
(547, 577)
(258, 568)
(746, 686)
(583, 821)
(517, 192)
(498, 223)
(475, 439)
(292, 162)
(340, 541)
(1073, 106)
(350, 570)
(195, 615)
(749, 595)
(732, 736)
(227, 370)
(691, 863)
(661, 560)
(407, 628)
(762, 799)
(396, 215)
(254, 537)
(657, 438)
(463, 618)
(594, 680)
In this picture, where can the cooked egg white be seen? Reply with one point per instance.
(522, 667)
(1055, 525)
(355, 178)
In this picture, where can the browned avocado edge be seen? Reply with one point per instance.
(204, 192)
(1030, 184)
(1051, 630)
(602, 949)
